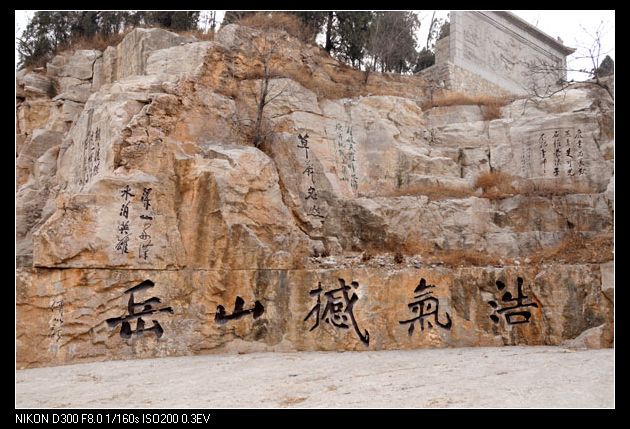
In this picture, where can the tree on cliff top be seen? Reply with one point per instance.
(48, 32)
(392, 42)
(606, 68)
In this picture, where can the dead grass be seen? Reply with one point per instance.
(343, 84)
(98, 41)
(573, 248)
(550, 188)
(278, 21)
(101, 42)
(497, 185)
(433, 191)
(576, 248)
(431, 254)
(490, 105)
(492, 110)
(321, 74)
(459, 257)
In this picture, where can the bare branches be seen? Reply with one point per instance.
(258, 128)
(548, 77)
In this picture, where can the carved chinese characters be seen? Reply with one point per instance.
(425, 306)
(345, 155)
(514, 314)
(313, 208)
(137, 310)
(560, 152)
(338, 310)
(135, 221)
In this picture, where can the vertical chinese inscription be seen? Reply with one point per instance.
(567, 155)
(542, 143)
(313, 208)
(556, 153)
(91, 156)
(425, 306)
(145, 238)
(338, 310)
(136, 310)
(125, 226)
(345, 155)
(122, 239)
(580, 152)
(511, 313)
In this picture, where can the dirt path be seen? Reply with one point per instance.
(467, 377)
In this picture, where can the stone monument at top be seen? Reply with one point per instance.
(489, 52)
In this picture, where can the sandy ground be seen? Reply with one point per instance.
(466, 377)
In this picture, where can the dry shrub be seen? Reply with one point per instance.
(396, 245)
(98, 41)
(490, 105)
(459, 257)
(278, 21)
(495, 184)
(245, 132)
(339, 86)
(492, 110)
(435, 191)
(431, 254)
(575, 247)
(336, 80)
(345, 82)
(551, 188)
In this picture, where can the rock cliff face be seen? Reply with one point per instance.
(149, 225)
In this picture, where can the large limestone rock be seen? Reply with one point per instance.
(130, 57)
(180, 59)
(143, 173)
(334, 309)
(79, 64)
(74, 73)
(34, 85)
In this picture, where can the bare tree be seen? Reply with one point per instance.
(431, 32)
(259, 129)
(391, 42)
(548, 78)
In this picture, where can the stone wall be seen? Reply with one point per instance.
(498, 47)
(460, 80)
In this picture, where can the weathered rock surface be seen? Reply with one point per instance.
(142, 168)
(65, 311)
